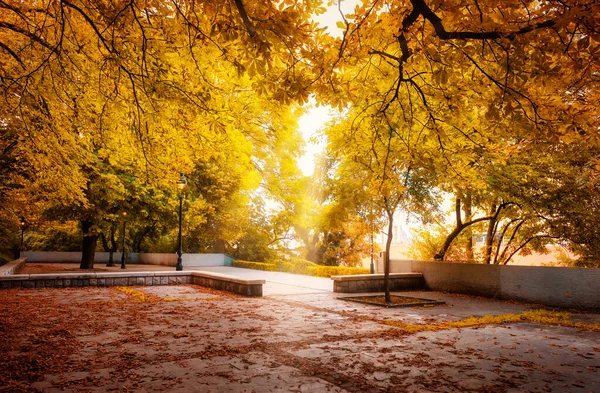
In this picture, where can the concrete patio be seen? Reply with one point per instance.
(189, 339)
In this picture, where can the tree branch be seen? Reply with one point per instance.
(13, 54)
(440, 30)
(242, 10)
(16, 29)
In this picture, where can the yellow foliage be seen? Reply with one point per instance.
(544, 317)
(328, 271)
(143, 297)
(255, 265)
(138, 296)
(300, 266)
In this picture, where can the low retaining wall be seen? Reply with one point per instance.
(157, 259)
(75, 256)
(553, 286)
(467, 278)
(191, 260)
(11, 267)
(141, 258)
(550, 286)
(227, 283)
(65, 280)
(396, 265)
(374, 282)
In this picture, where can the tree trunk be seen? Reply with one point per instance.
(112, 248)
(89, 245)
(386, 261)
(489, 240)
(469, 231)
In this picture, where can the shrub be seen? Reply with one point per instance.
(301, 266)
(328, 271)
(298, 266)
(270, 267)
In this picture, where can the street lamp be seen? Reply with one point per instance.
(182, 184)
(371, 218)
(372, 270)
(123, 253)
(22, 226)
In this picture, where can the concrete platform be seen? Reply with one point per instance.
(190, 339)
(277, 283)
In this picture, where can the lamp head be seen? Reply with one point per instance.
(182, 183)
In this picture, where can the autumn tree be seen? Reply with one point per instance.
(135, 84)
(484, 81)
(384, 157)
(531, 195)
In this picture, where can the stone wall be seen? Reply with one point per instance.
(227, 283)
(396, 265)
(162, 259)
(467, 278)
(74, 256)
(11, 267)
(66, 280)
(361, 283)
(191, 260)
(551, 286)
(157, 259)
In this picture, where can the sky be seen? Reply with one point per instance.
(316, 117)
(310, 124)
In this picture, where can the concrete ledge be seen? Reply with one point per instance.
(66, 280)
(374, 282)
(361, 277)
(127, 274)
(171, 273)
(60, 275)
(15, 277)
(12, 266)
(228, 278)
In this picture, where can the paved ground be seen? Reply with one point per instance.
(190, 339)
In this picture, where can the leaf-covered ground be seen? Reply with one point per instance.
(188, 338)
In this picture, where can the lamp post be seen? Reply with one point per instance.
(182, 184)
(22, 226)
(372, 267)
(372, 270)
(123, 252)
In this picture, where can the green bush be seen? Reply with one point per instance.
(301, 266)
(270, 267)
(328, 271)
(298, 266)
